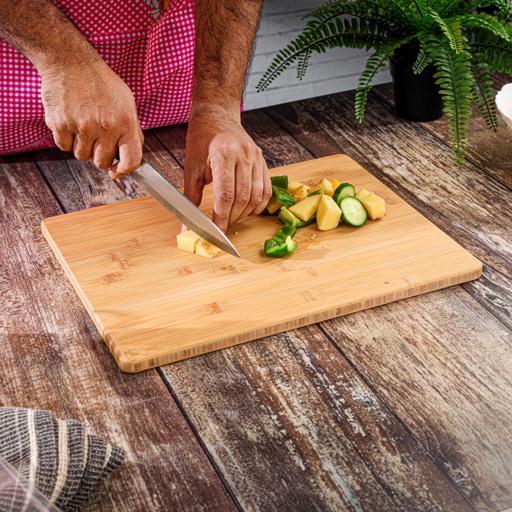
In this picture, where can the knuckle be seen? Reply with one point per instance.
(125, 119)
(227, 197)
(247, 148)
(106, 122)
(85, 126)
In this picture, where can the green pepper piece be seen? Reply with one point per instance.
(279, 181)
(286, 231)
(283, 196)
(287, 217)
(276, 249)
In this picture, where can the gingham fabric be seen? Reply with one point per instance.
(58, 458)
(153, 54)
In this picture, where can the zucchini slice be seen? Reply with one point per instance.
(353, 212)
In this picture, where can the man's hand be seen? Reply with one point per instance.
(218, 149)
(91, 111)
(87, 106)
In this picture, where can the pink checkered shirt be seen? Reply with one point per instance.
(153, 54)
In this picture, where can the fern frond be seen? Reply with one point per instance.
(504, 8)
(423, 60)
(493, 51)
(452, 31)
(483, 91)
(483, 21)
(455, 82)
(340, 32)
(373, 65)
(396, 13)
(302, 64)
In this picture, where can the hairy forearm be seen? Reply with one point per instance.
(225, 33)
(43, 34)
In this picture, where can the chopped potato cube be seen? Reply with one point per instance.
(273, 205)
(301, 192)
(373, 204)
(294, 185)
(306, 208)
(206, 249)
(326, 186)
(187, 240)
(335, 184)
(328, 214)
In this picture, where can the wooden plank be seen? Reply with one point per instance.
(444, 367)
(125, 254)
(227, 414)
(52, 358)
(489, 150)
(293, 427)
(456, 436)
(394, 151)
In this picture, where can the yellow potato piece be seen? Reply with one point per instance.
(373, 204)
(328, 214)
(187, 240)
(326, 186)
(206, 249)
(273, 205)
(294, 185)
(306, 208)
(301, 192)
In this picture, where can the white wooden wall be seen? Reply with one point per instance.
(335, 71)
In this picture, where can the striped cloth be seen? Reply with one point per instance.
(56, 457)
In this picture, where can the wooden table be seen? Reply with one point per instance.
(404, 407)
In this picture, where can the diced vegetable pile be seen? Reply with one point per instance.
(330, 203)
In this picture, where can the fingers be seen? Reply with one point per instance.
(267, 187)
(84, 142)
(130, 155)
(194, 185)
(223, 175)
(105, 150)
(64, 139)
(256, 190)
(243, 188)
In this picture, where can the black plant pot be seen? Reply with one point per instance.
(417, 97)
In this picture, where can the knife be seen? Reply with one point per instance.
(181, 207)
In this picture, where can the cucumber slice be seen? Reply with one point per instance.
(344, 190)
(353, 212)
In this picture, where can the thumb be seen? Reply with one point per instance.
(194, 188)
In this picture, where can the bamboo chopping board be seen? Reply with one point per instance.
(154, 304)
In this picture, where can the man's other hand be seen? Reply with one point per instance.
(218, 149)
(91, 112)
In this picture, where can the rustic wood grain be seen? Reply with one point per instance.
(417, 180)
(214, 411)
(293, 427)
(52, 358)
(444, 367)
(489, 150)
(467, 436)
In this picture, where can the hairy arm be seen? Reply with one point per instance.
(218, 148)
(89, 109)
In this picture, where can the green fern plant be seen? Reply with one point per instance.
(465, 40)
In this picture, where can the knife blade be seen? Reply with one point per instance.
(181, 207)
